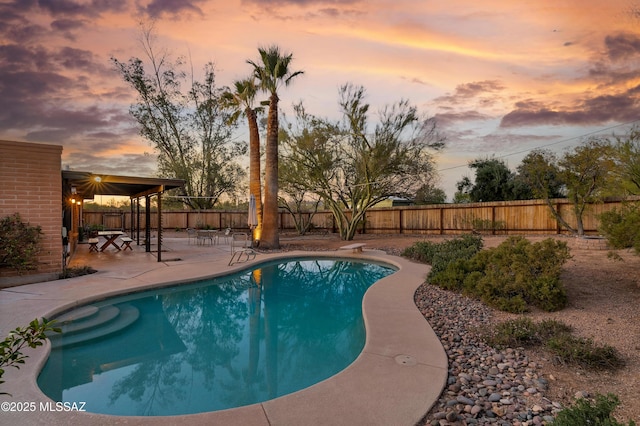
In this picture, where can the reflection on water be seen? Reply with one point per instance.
(213, 345)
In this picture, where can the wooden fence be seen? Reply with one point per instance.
(500, 218)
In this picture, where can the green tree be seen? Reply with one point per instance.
(241, 100)
(272, 71)
(463, 190)
(585, 172)
(582, 174)
(539, 170)
(430, 194)
(493, 182)
(352, 167)
(189, 131)
(626, 155)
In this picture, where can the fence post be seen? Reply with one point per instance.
(493, 220)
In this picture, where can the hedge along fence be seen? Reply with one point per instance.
(499, 218)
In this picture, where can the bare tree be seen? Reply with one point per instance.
(189, 131)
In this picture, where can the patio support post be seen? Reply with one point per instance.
(138, 220)
(159, 226)
(147, 227)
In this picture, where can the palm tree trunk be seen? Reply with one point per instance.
(255, 188)
(270, 237)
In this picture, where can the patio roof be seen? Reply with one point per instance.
(89, 184)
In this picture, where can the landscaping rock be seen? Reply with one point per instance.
(485, 385)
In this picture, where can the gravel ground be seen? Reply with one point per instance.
(514, 386)
(485, 385)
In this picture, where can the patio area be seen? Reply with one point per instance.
(395, 380)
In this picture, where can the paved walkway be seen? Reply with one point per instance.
(395, 380)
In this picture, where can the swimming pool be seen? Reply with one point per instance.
(216, 344)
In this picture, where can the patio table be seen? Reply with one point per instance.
(208, 234)
(111, 237)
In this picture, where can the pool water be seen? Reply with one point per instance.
(215, 344)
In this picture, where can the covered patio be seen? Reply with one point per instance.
(78, 186)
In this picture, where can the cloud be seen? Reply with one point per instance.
(297, 10)
(20, 58)
(144, 165)
(447, 119)
(158, 8)
(596, 110)
(17, 25)
(298, 2)
(611, 93)
(475, 89)
(22, 32)
(622, 46)
(93, 8)
(79, 59)
(67, 27)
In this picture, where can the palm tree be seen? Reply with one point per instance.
(242, 100)
(272, 71)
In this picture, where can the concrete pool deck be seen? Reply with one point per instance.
(394, 381)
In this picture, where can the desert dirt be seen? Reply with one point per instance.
(604, 305)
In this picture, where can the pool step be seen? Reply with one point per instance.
(90, 324)
(77, 314)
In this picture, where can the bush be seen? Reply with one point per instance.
(549, 328)
(77, 271)
(32, 336)
(439, 255)
(19, 244)
(510, 277)
(556, 337)
(583, 352)
(585, 413)
(620, 227)
(521, 332)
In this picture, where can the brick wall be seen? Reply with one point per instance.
(31, 184)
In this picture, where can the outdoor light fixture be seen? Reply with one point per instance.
(74, 190)
(97, 179)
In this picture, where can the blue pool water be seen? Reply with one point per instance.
(215, 344)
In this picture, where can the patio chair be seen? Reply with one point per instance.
(204, 236)
(93, 244)
(226, 235)
(241, 246)
(126, 243)
(192, 234)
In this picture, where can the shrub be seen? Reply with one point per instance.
(620, 227)
(549, 328)
(32, 336)
(520, 332)
(458, 248)
(584, 352)
(556, 337)
(510, 277)
(585, 413)
(77, 271)
(437, 254)
(523, 332)
(19, 244)
(487, 224)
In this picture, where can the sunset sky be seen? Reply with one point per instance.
(500, 76)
